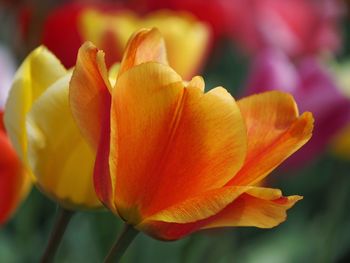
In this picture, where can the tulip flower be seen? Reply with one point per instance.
(14, 183)
(41, 127)
(173, 159)
(296, 27)
(314, 89)
(110, 30)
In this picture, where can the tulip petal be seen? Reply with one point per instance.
(89, 92)
(39, 70)
(90, 101)
(200, 207)
(259, 207)
(144, 46)
(182, 156)
(249, 206)
(275, 131)
(54, 140)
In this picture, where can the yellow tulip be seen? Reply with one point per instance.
(41, 127)
(187, 40)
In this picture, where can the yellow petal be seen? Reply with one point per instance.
(165, 138)
(60, 158)
(275, 131)
(38, 71)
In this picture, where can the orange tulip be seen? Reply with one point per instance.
(13, 182)
(173, 159)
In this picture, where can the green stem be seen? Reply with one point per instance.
(63, 218)
(121, 244)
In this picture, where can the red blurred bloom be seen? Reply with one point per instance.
(11, 177)
(61, 34)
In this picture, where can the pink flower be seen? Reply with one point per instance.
(296, 27)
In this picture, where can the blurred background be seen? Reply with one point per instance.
(247, 46)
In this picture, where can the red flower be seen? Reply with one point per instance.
(13, 183)
(61, 34)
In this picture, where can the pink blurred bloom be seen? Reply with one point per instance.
(314, 89)
(297, 27)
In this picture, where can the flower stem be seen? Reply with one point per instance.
(63, 218)
(121, 244)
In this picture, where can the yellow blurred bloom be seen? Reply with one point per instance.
(340, 145)
(187, 39)
(42, 130)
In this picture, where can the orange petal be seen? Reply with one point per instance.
(89, 91)
(275, 131)
(259, 207)
(189, 215)
(249, 206)
(145, 45)
(199, 207)
(167, 139)
(90, 102)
